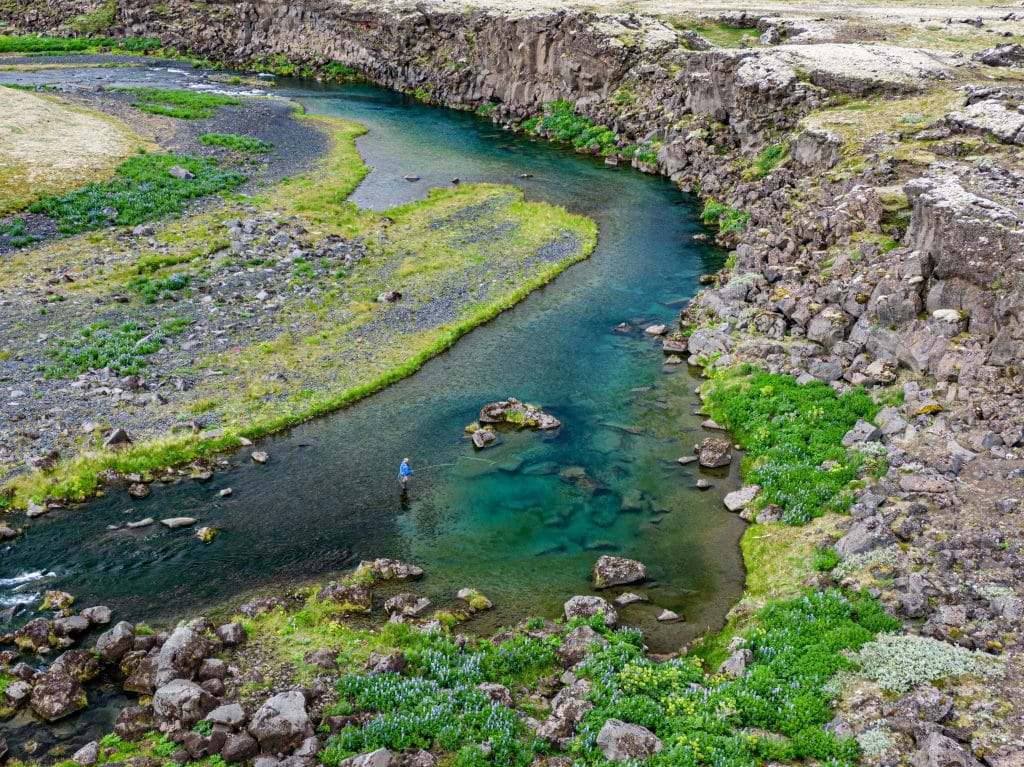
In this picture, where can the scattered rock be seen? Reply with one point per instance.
(182, 701)
(281, 724)
(517, 414)
(260, 456)
(113, 644)
(176, 522)
(738, 500)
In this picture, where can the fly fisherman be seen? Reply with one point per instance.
(404, 472)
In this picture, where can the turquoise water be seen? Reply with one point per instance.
(515, 521)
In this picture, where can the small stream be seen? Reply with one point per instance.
(510, 521)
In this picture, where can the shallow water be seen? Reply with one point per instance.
(503, 520)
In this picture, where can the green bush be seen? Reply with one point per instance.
(793, 435)
(244, 144)
(142, 190)
(826, 559)
(184, 105)
(776, 711)
(165, 288)
(139, 44)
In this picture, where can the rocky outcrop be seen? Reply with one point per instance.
(617, 571)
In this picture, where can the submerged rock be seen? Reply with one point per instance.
(483, 438)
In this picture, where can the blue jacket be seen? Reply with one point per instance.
(404, 470)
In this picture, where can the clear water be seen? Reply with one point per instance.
(503, 520)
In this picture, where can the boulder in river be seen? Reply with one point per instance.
(519, 415)
(406, 606)
(98, 615)
(176, 522)
(617, 571)
(585, 606)
(738, 500)
(57, 695)
(714, 453)
(386, 570)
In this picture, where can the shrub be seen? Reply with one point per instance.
(184, 105)
(244, 144)
(793, 435)
(142, 190)
(165, 288)
(45, 44)
(768, 161)
(825, 559)
(901, 661)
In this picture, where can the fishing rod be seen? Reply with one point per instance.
(438, 465)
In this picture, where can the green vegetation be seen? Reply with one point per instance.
(559, 122)
(161, 288)
(728, 220)
(903, 661)
(142, 190)
(793, 435)
(184, 105)
(486, 110)
(98, 345)
(243, 144)
(826, 559)
(776, 711)
(99, 20)
(280, 65)
(435, 703)
(767, 161)
(43, 44)
(16, 234)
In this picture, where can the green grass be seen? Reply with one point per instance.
(725, 36)
(793, 435)
(184, 105)
(142, 190)
(243, 144)
(771, 158)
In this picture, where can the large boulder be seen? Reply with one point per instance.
(114, 643)
(281, 724)
(714, 453)
(617, 571)
(182, 701)
(181, 655)
(403, 606)
(584, 606)
(621, 741)
(379, 758)
(865, 535)
(81, 664)
(57, 695)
